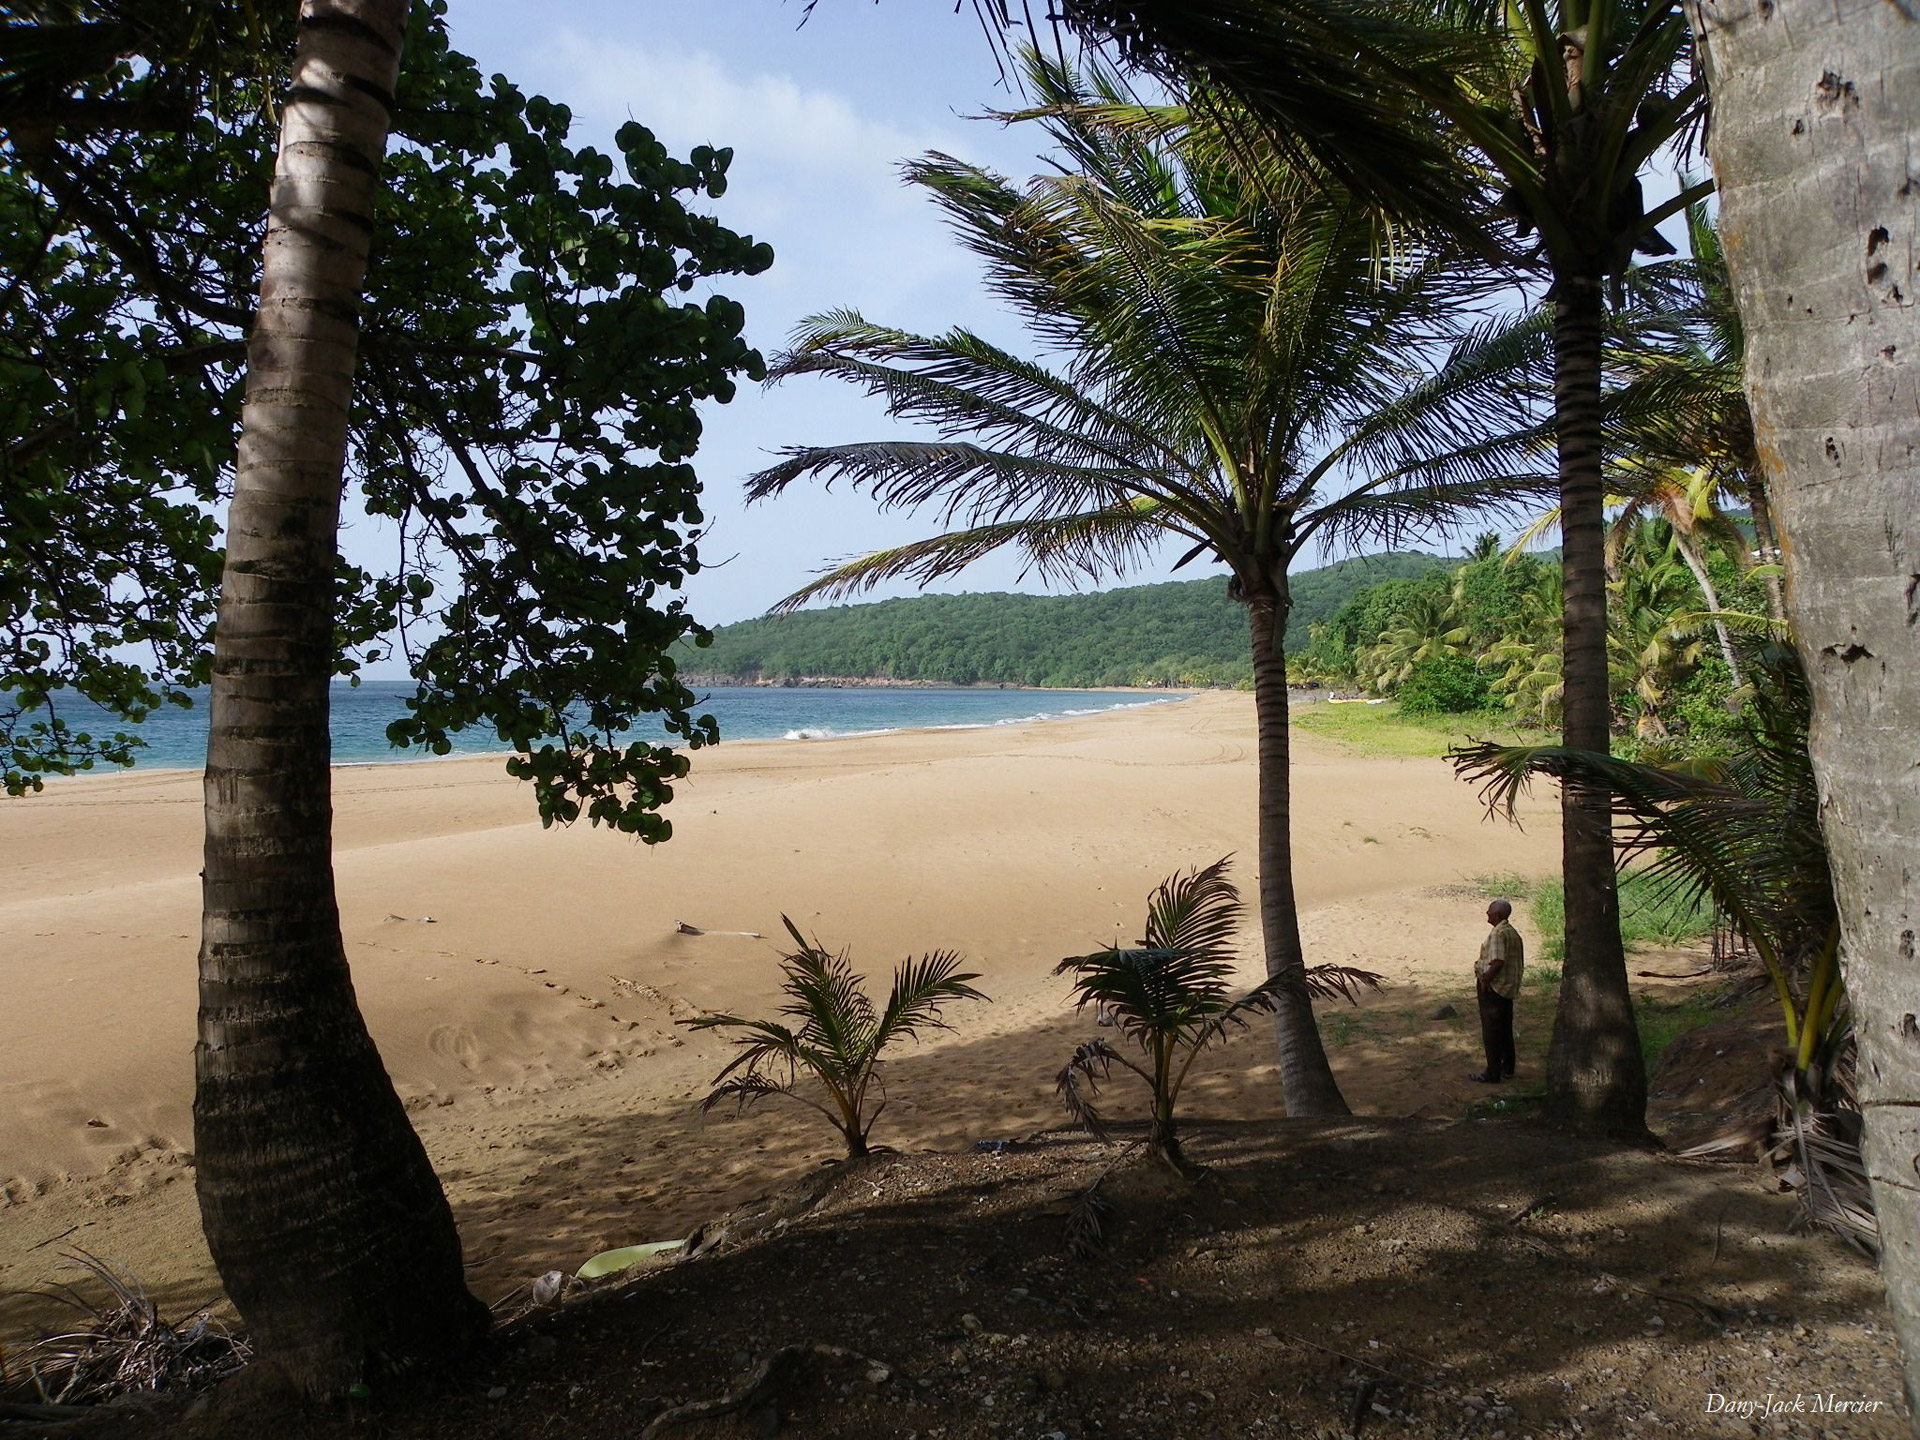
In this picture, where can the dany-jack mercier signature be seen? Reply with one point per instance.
(1796, 1404)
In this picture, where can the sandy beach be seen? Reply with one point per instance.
(524, 984)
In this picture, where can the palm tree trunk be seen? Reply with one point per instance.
(1769, 538)
(1696, 563)
(1306, 1079)
(1596, 1079)
(327, 1224)
(1824, 99)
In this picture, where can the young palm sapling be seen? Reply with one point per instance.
(1170, 996)
(838, 1037)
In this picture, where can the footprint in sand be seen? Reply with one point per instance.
(457, 1043)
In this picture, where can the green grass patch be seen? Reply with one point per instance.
(1650, 913)
(1383, 730)
(1661, 1022)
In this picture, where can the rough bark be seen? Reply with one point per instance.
(1306, 1078)
(1596, 1078)
(329, 1229)
(1816, 112)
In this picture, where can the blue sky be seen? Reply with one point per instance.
(819, 117)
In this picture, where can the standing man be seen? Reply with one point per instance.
(1497, 979)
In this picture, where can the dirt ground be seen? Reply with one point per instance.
(1472, 1274)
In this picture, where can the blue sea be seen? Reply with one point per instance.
(177, 739)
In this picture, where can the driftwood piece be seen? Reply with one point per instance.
(763, 1387)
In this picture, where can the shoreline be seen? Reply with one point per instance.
(884, 682)
(679, 744)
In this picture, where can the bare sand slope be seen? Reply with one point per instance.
(531, 1022)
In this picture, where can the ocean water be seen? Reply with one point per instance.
(177, 739)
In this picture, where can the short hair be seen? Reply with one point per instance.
(1505, 907)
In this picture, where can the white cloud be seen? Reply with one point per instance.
(811, 175)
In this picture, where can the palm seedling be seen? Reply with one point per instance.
(1171, 996)
(837, 1037)
(1745, 831)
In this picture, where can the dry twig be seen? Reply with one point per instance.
(773, 1375)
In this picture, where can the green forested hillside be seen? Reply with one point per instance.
(1180, 633)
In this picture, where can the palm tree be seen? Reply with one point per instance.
(1427, 629)
(1169, 995)
(329, 1228)
(1648, 650)
(1229, 360)
(1678, 418)
(840, 1036)
(1565, 102)
(1528, 653)
(1807, 96)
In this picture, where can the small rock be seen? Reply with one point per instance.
(879, 1375)
(1445, 1012)
(971, 1324)
(498, 1392)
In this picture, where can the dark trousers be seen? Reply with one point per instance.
(1496, 1030)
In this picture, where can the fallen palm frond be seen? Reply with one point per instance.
(125, 1346)
(1087, 1221)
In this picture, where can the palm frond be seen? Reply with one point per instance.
(1296, 66)
(920, 987)
(1743, 831)
(1092, 545)
(1197, 912)
(1079, 1080)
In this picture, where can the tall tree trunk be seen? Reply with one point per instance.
(327, 1224)
(1816, 110)
(1697, 564)
(1306, 1079)
(1596, 1079)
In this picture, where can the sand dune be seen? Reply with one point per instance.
(523, 984)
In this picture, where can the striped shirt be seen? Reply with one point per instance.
(1502, 944)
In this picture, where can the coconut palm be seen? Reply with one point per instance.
(1529, 656)
(1802, 91)
(1649, 651)
(1170, 995)
(302, 1147)
(840, 1036)
(1565, 102)
(1678, 418)
(1745, 832)
(1428, 628)
(1228, 363)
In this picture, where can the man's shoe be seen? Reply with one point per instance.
(1484, 1078)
